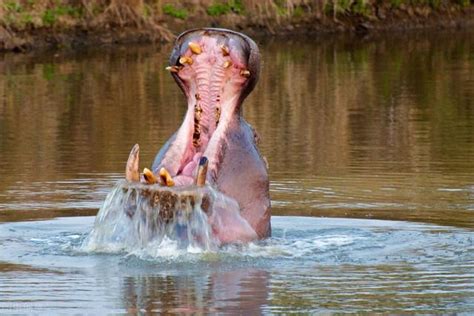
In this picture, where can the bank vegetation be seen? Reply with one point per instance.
(28, 24)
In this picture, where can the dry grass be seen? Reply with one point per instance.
(24, 15)
(45, 13)
(158, 19)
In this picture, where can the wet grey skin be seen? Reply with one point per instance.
(217, 69)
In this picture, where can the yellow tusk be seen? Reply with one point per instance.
(225, 50)
(245, 73)
(166, 177)
(202, 171)
(185, 60)
(227, 64)
(131, 170)
(195, 48)
(149, 176)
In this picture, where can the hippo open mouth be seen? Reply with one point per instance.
(216, 69)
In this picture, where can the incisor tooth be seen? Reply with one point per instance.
(195, 48)
(245, 73)
(149, 176)
(185, 60)
(166, 178)
(131, 170)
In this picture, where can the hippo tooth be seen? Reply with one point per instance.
(218, 115)
(172, 68)
(149, 176)
(131, 170)
(195, 48)
(185, 60)
(202, 171)
(245, 73)
(227, 64)
(166, 177)
(225, 50)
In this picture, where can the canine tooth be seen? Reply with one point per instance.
(227, 64)
(172, 68)
(131, 170)
(225, 50)
(245, 73)
(185, 60)
(149, 176)
(195, 48)
(202, 171)
(166, 177)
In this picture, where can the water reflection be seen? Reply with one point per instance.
(237, 291)
(380, 128)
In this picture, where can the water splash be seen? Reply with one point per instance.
(135, 217)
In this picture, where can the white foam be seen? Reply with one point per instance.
(145, 229)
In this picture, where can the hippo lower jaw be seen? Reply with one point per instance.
(216, 69)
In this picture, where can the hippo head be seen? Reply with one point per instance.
(216, 69)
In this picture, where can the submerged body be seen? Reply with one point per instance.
(216, 69)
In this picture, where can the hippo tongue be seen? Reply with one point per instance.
(182, 180)
(189, 173)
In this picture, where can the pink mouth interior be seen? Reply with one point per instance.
(188, 174)
(213, 81)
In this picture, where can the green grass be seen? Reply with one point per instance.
(13, 6)
(361, 7)
(171, 10)
(218, 9)
(396, 3)
(464, 3)
(298, 12)
(50, 16)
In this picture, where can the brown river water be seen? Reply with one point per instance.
(370, 144)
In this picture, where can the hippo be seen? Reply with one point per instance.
(216, 69)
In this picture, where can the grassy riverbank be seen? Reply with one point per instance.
(26, 24)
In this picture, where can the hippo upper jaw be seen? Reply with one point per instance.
(216, 69)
